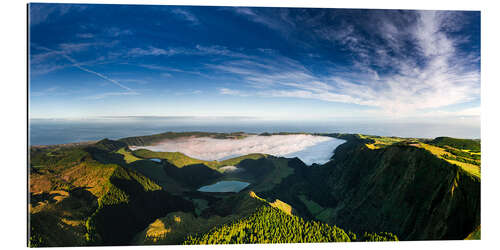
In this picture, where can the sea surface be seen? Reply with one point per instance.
(60, 131)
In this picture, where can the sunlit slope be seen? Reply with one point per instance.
(475, 235)
(271, 223)
(405, 190)
(398, 188)
(176, 226)
(87, 195)
(465, 153)
(453, 156)
(263, 171)
(464, 144)
(251, 220)
(106, 194)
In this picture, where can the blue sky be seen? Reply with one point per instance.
(263, 63)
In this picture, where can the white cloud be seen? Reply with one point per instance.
(262, 19)
(41, 13)
(68, 48)
(226, 91)
(45, 92)
(153, 51)
(109, 94)
(310, 149)
(115, 32)
(44, 60)
(433, 76)
(186, 15)
(85, 35)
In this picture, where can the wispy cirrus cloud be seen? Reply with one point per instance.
(109, 94)
(198, 50)
(44, 60)
(166, 70)
(100, 75)
(434, 76)
(48, 91)
(186, 15)
(66, 49)
(40, 13)
(154, 51)
(269, 21)
(116, 32)
(226, 91)
(394, 62)
(85, 35)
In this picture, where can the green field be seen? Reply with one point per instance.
(474, 169)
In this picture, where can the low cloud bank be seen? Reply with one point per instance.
(230, 169)
(310, 149)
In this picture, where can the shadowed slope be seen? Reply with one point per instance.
(401, 189)
(124, 200)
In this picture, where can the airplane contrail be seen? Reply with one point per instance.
(77, 65)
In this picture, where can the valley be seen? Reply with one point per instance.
(373, 188)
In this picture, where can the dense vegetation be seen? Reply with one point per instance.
(105, 194)
(463, 154)
(181, 160)
(460, 159)
(117, 202)
(271, 225)
(131, 203)
(401, 189)
(467, 144)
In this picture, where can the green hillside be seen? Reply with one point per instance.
(181, 160)
(176, 226)
(175, 158)
(103, 193)
(466, 144)
(401, 189)
(90, 202)
(270, 224)
(151, 139)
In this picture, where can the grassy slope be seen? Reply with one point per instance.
(247, 211)
(181, 160)
(438, 147)
(399, 188)
(317, 211)
(466, 144)
(128, 156)
(61, 176)
(434, 200)
(271, 223)
(440, 152)
(77, 171)
(475, 235)
(261, 170)
(174, 228)
(280, 170)
(151, 139)
(131, 204)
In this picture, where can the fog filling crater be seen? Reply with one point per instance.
(309, 148)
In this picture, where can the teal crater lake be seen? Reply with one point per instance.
(225, 187)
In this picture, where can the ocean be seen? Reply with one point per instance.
(60, 131)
